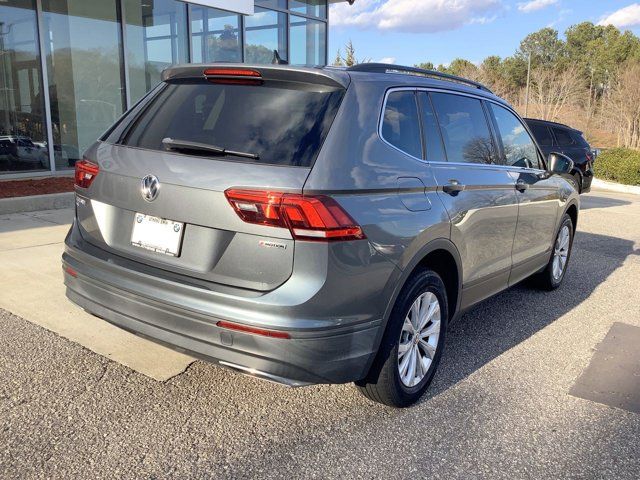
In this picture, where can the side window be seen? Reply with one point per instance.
(464, 128)
(401, 126)
(563, 137)
(542, 134)
(519, 148)
(431, 131)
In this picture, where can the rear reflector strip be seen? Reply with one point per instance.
(256, 331)
(71, 271)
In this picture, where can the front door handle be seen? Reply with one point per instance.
(453, 187)
(522, 186)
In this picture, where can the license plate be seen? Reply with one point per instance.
(157, 234)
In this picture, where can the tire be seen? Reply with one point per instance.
(549, 279)
(384, 383)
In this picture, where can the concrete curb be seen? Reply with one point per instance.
(614, 187)
(36, 202)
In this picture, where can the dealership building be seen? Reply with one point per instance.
(70, 68)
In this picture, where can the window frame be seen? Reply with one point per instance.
(418, 111)
(492, 128)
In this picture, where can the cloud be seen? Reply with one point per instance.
(623, 18)
(414, 16)
(387, 60)
(534, 5)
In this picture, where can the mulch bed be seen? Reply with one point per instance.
(24, 188)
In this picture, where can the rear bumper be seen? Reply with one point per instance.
(317, 354)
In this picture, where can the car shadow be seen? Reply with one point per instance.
(477, 338)
(590, 201)
(511, 317)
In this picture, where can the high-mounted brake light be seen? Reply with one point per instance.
(256, 331)
(308, 217)
(232, 72)
(86, 172)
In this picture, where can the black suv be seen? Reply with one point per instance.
(557, 137)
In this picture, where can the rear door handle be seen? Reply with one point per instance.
(453, 187)
(522, 186)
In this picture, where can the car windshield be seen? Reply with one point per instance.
(277, 123)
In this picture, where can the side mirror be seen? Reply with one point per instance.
(559, 163)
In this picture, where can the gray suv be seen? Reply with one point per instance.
(314, 225)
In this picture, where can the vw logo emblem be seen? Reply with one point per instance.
(150, 188)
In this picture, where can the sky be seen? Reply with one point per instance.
(407, 32)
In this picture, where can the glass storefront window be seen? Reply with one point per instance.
(265, 33)
(83, 52)
(308, 41)
(215, 35)
(84, 66)
(23, 144)
(156, 34)
(316, 8)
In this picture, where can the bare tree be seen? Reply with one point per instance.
(554, 90)
(621, 108)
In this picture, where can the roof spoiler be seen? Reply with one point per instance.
(332, 78)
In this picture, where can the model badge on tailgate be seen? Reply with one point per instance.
(264, 243)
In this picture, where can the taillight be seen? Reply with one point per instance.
(86, 172)
(308, 217)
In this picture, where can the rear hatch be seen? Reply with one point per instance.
(153, 189)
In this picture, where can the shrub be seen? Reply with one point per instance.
(619, 165)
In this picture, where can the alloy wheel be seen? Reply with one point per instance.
(419, 339)
(561, 252)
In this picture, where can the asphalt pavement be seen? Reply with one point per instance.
(499, 406)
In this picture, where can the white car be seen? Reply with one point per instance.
(20, 150)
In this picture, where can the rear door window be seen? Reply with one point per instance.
(401, 125)
(579, 140)
(542, 134)
(562, 137)
(280, 123)
(518, 147)
(464, 127)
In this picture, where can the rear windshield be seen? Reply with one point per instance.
(281, 123)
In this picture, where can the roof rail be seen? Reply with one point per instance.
(391, 68)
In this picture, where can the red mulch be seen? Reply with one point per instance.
(24, 188)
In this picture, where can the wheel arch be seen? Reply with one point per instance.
(572, 211)
(440, 255)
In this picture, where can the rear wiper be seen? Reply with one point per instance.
(188, 146)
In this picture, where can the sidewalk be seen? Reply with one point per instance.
(30, 248)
